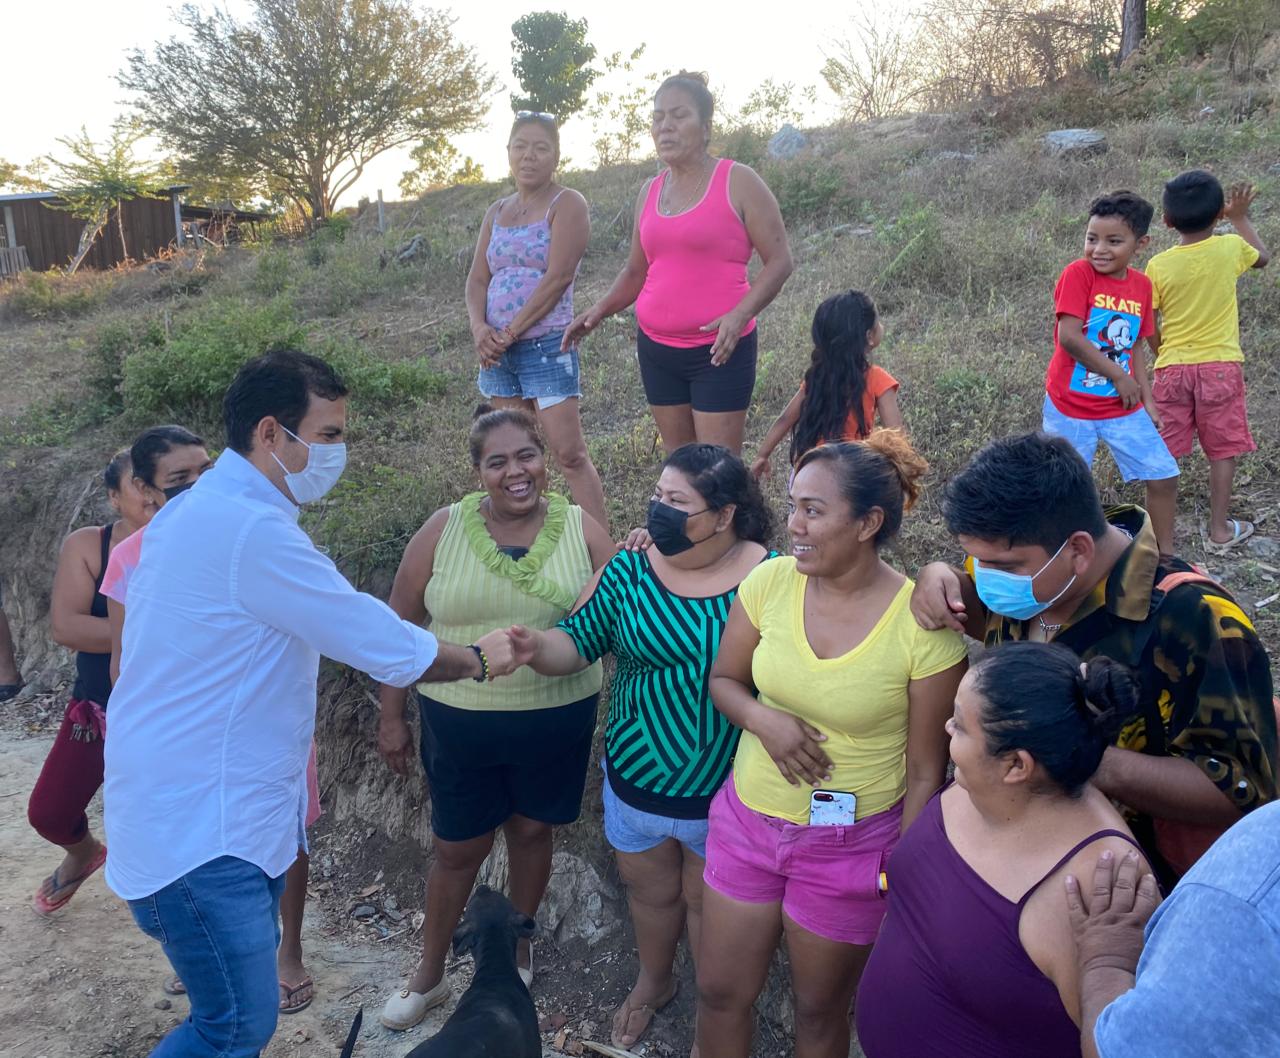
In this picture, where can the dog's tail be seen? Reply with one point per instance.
(350, 1045)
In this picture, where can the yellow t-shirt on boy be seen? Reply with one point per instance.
(858, 700)
(1194, 289)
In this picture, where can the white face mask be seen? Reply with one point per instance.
(325, 464)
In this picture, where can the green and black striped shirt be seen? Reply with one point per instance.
(667, 749)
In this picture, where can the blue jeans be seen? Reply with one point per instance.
(219, 929)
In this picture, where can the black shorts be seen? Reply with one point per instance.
(483, 767)
(674, 375)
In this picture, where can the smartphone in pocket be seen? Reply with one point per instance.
(831, 808)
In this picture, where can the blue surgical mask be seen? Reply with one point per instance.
(1013, 595)
(325, 463)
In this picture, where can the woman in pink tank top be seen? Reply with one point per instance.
(697, 225)
(520, 300)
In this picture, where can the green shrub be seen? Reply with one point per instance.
(806, 187)
(104, 362)
(272, 272)
(44, 295)
(915, 240)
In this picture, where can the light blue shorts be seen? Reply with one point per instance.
(534, 369)
(1133, 440)
(630, 829)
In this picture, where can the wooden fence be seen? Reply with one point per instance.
(13, 259)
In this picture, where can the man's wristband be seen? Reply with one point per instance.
(484, 664)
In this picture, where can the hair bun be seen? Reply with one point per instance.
(1108, 692)
(481, 409)
(910, 465)
(694, 75)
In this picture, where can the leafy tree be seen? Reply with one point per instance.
(433, 160)
(770, 105)
(305, 93)
(96, 180)
(551, 62)
(621, 116)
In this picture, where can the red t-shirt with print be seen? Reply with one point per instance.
(1116, 313)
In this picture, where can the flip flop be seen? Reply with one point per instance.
(174, 987)
(287, 1003)
(45, 907)
(1240, 532)
(648, 1009)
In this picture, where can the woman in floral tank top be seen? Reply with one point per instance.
(520, 300)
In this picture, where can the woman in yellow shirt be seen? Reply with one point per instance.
(842, 699)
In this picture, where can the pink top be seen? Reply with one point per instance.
(124, 559)
(697, 264)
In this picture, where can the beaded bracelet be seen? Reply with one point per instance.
(484, 664)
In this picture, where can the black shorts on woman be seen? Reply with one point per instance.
(680, 375)
(485, 766)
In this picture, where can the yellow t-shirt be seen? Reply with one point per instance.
(1194, 289)
(858, 700)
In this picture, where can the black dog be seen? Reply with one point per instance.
(495, 1017)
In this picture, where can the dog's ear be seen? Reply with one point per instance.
(523, 924)
(464, 939)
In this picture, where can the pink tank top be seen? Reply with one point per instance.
(697, 264)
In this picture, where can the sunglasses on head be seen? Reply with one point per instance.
(535, 114)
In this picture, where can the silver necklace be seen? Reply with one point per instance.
(1047, 628)
(697, 191)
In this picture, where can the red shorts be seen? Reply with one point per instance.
(827, 878)
(313, 787)
(1205, 400)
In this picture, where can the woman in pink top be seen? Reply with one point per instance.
(520, 300)
(697, 225)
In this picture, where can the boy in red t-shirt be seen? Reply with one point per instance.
(1096, 388)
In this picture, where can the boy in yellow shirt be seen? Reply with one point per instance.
(1199, 377)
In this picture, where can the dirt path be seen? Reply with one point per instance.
(87, 982)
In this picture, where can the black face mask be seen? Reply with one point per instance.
(174, 490)
(666, 525)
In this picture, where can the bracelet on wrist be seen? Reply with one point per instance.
(484, 664)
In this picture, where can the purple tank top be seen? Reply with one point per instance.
(517, 258)
(948, 976)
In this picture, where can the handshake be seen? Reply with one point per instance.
(506, 649)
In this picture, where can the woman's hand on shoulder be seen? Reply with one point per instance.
(636, 540)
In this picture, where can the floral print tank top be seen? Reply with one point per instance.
(517, 259)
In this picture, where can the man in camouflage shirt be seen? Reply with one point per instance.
(1047, 563)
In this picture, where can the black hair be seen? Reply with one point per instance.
(695, 84)
(1027, 489)
(837, 377)
(484, 420)
(721, 478)
(1036, 698)
(152, 444)
(882, 471)
(547, 124)
(114, 472)
(1131, 208)
(1193, 201)
(280, 383)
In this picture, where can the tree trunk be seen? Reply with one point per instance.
(124, 250)
(1133, 27)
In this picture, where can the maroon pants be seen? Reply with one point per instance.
(70, 777)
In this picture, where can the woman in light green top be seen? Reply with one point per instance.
(512, 753)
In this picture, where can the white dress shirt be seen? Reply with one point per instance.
(211, 720)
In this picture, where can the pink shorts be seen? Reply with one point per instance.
(313, 788)
(1205, 400)
(827, 878)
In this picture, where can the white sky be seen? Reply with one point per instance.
(70, 81)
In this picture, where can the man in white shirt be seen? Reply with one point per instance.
(212, 716)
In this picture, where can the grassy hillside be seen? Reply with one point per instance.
(958, 225)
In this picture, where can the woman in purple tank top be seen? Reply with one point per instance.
(976, 958)
(520, 301)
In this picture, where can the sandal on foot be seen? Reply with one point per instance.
(174, 987)
(647, 1009)
(289, 1001)
(405, 1009)
(1240, 532)
(44, 906)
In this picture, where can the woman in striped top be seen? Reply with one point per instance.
(661, 613)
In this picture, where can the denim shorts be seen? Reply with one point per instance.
(533, 369)
(630, 829)
(1135, 443)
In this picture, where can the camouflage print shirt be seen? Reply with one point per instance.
(1200, 661)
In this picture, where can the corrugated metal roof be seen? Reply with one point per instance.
(35, 196)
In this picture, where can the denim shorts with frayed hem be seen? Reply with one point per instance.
(534, 369)
(631, 829)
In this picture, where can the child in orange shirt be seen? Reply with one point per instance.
(843, 392)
